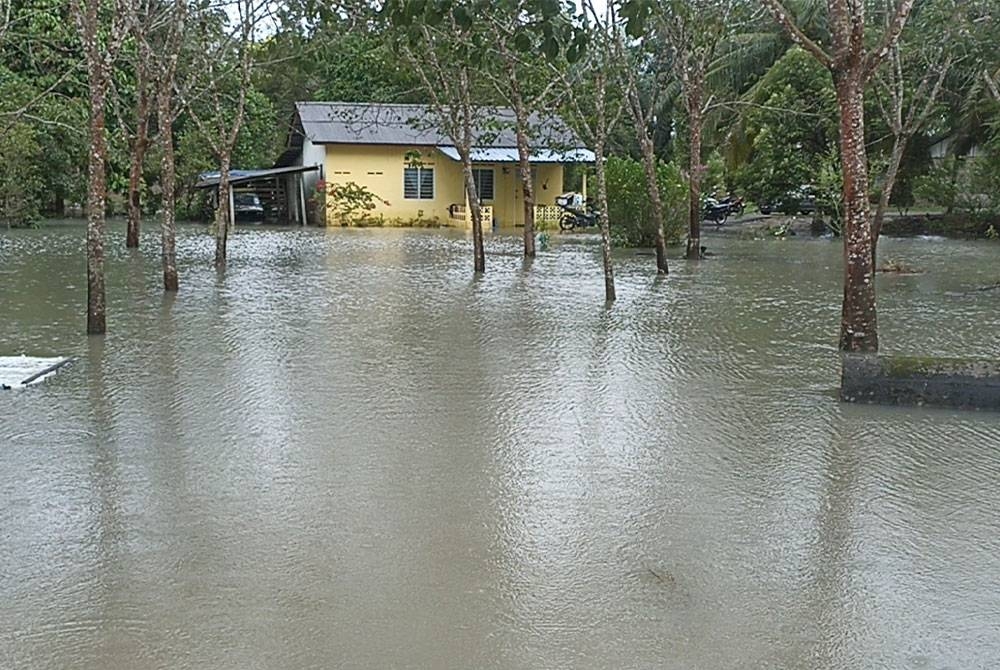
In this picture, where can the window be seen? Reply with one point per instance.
(484, 182)
(418, 183)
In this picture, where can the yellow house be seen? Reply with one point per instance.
(397, 153)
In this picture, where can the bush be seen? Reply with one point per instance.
(969, 186)
(21, 188)
(629, 209)
(351, 204)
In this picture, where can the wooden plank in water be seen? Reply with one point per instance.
(20, 371)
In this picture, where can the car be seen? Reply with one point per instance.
(801, 200)
(247, 207)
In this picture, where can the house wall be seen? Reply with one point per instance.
(312, 154)
(943, 148)
(508, 206)
(379, 168)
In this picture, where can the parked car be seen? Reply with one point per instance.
(801, 200)
(247, 207)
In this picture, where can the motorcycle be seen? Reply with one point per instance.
(715, 211)
(736, 204)
(576, 213)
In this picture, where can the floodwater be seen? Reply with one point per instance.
(348, 453)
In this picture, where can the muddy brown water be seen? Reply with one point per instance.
(346, 452)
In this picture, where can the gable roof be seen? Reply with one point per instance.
(384, 123)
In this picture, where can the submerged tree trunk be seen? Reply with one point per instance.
(527, 187)
(168, 182)
(96, 299)
(471, 192)
(476, 212)
(523, 149)
(600, 137)
(97, 76)
(222, 215)
(892, 172)
(695, 173)
(859, 327)
(139, 145)
(655, 201)
(602, 210)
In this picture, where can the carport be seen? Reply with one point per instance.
(281, 191)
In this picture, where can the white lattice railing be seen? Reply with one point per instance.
(463, 214)
(547, 214)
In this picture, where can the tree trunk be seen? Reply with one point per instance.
(59, 202)
(656, 202)
(527, 187)
(859, 327)
(472, 194)
(138, 157)
(602, 211)
(96, 196)
(222, 218)
(168, 183)
(523, 150)
(956, 166)
(892, 172)
(694, 178)
(476, 211)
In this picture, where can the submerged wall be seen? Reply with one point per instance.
(899, 380)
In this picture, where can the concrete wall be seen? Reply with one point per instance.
(312, 154)
(943, 382)
(379, 168)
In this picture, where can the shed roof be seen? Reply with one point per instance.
(415, 125)
(210, 179)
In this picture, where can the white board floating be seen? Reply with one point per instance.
(20, 371)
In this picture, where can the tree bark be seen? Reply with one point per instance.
(523, 150)
(472, 194)
(96, 195)
(222, 219)
(859, 327)
(602, 211)
(527, 187)
(892, 172)
(655, 200)
(138, 157)
(476, 211)
(97, 78)
(695, 172)
(168, 183)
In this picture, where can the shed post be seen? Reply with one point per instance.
(232, 208)
(585, 184)
(300, 179)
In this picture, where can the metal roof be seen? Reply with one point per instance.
(415, 125)
(209, 179)
(509, 155)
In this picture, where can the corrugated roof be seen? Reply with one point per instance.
(378, 123)
(207, 179)
(509, 155)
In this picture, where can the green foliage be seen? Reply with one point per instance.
(829, 184)
(350, 203)
(791, 125)
(628, 202)
(969, 186)
(21, 189)
(257, 143)
(714, 179)
(939, 186)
